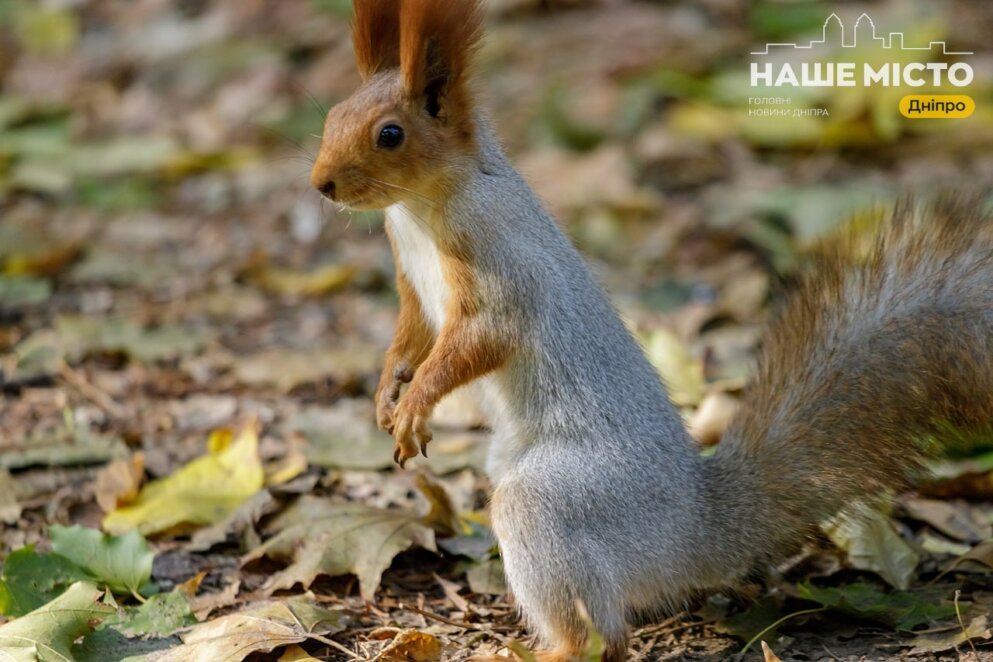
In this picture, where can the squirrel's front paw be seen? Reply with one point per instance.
(386, 404)
(410, 432)
(388, 394)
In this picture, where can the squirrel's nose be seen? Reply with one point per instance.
(327, 189)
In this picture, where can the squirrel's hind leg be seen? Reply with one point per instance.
(554, 575)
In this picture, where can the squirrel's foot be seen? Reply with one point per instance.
(388, 393)
(410, 431)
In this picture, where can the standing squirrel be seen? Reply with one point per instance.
(600, 496)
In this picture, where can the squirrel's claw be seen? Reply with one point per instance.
(411, 432)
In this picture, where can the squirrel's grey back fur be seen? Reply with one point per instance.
(600, 495)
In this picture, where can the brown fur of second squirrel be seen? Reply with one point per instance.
(600, 497)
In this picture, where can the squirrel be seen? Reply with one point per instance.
(600, 499)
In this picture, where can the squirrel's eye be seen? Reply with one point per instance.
(390, 137)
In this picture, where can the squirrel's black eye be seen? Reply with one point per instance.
(390, 137)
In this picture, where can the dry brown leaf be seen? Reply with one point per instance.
(318, 536)
(956, 519)
(712, 418)
(411, 646)
(441, 515)
(259, 628)
(451, 590)
(768, 654)
(203, 605)
(944, 641)
(118, 483)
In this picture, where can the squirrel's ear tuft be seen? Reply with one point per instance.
(437, 41)
(376, 35)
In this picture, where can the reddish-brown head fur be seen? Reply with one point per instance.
(404, 134)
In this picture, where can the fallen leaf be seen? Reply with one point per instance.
(286, 469)
(487, 577)
(758, 619)
(411, 646)
(981, 555)
(286, 369)
(78, 446)
(47, 633)
(162, 615)
(206, 603)
(943, 641)
(441, 515)
(870, 541)
(48, 263)
(238, 525)
(204, 491)
(296, 654)
(451, 590)
(31, 579)
(18, 291)
(768, 654)
(119, 482)
(712, 418)
(902, 610)
(344, 436)
(258, 628)
(10, 509)
(318, 282)
(123, 563)
(940, 545)
(82, 335)
(681, 372)
(321, 537)
(956, 519)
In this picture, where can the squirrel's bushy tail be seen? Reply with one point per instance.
(874, 358)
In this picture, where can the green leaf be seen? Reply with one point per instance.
(124, 563)
(31, 579)
(23, 290)
(160, 616)
(487, 578)
(47, 633)
(902, 610)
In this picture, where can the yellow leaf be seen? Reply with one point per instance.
(296, 654)
(205, 491)
(679, 369)
(321, 281)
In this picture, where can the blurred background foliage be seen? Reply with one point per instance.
(154, 158)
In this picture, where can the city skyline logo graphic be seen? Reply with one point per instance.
(834, 24)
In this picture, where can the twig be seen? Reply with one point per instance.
(659, 627)
(89, 391)
(442, 619)
(334, 644)
(958, 614)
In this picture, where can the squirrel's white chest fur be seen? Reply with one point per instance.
(421, 262)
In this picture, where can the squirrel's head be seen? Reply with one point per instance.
(403, 134)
